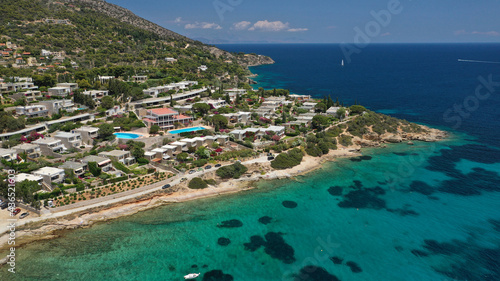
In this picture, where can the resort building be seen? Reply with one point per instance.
(216, 103)
(59, 91)
(30, 96)
(139, 78)
(233, 93)
(49, 145)
(30, 149)
(28, 177)
(70, 86)
(300, 97)
(238, 117)
(105, 79)
(54, 106)
(180, 146)
(88, 134)
(69, 139)
(36, 110)
(121, 156)
(165, 118)
(8, 154)
(50, 174)
(102, 162)
(96, 94)
(77, 167)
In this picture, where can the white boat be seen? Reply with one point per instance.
(342, 62)
(191, 276)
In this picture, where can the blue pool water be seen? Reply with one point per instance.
(126, 135)
(186, 130)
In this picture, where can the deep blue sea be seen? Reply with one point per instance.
(430, 211)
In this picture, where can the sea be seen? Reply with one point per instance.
(428, 211)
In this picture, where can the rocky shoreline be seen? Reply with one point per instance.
(258, 169)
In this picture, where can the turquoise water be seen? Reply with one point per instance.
(430, 211)
(376, 222)
(185, 130)
(126, 135)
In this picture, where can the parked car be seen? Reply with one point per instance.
(183, 179)
(269, 158)
(16, 211)
(217, 165)
(208, 167)
(23, 215)
(192, 172)
(165, 186)
(4, 205)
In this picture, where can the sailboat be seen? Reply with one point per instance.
(191, 276)
(342, 63)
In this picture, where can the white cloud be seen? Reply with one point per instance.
(297, 29)
(241, 25)
(265, 25)
(178, 20)
(202, 25)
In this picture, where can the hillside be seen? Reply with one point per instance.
(93, 33)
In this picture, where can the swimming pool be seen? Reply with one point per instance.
(126, 136)
(185, 130)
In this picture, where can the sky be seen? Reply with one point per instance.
(325, 21)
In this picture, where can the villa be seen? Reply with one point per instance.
(180, 146)
(233, 93)
(59, 91)
(50, 174)
(96, 94)
(139, 78)
(216, 103)
(49, 145)
(8, 154)
(30, 149)
(88, 134)
(36, 110)
(70, 86)
(77, 167)
(54, 106)
(69, 139)
(28, 177)
(102, 162)
(165, 118)
(121, 156)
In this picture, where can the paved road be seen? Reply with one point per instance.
(129, 194)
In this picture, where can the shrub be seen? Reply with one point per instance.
(120, 166)
(197, 183)
(232, 171)
(345, 140)
(200, 162)
(287, 159)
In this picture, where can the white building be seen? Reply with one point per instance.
(50, 174)
(88, 134)
(217, 103)
(48, 145)
(8, 154)
(30, 149)
(35, 110)
(69, 139)
(59, 91)
(28, 177)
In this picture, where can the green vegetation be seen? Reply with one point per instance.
(94, 169)
(231, 171)
(106, 132)
(345, 140)
(288, 159)
(197, 183)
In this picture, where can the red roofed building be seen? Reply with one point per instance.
(165, 118)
